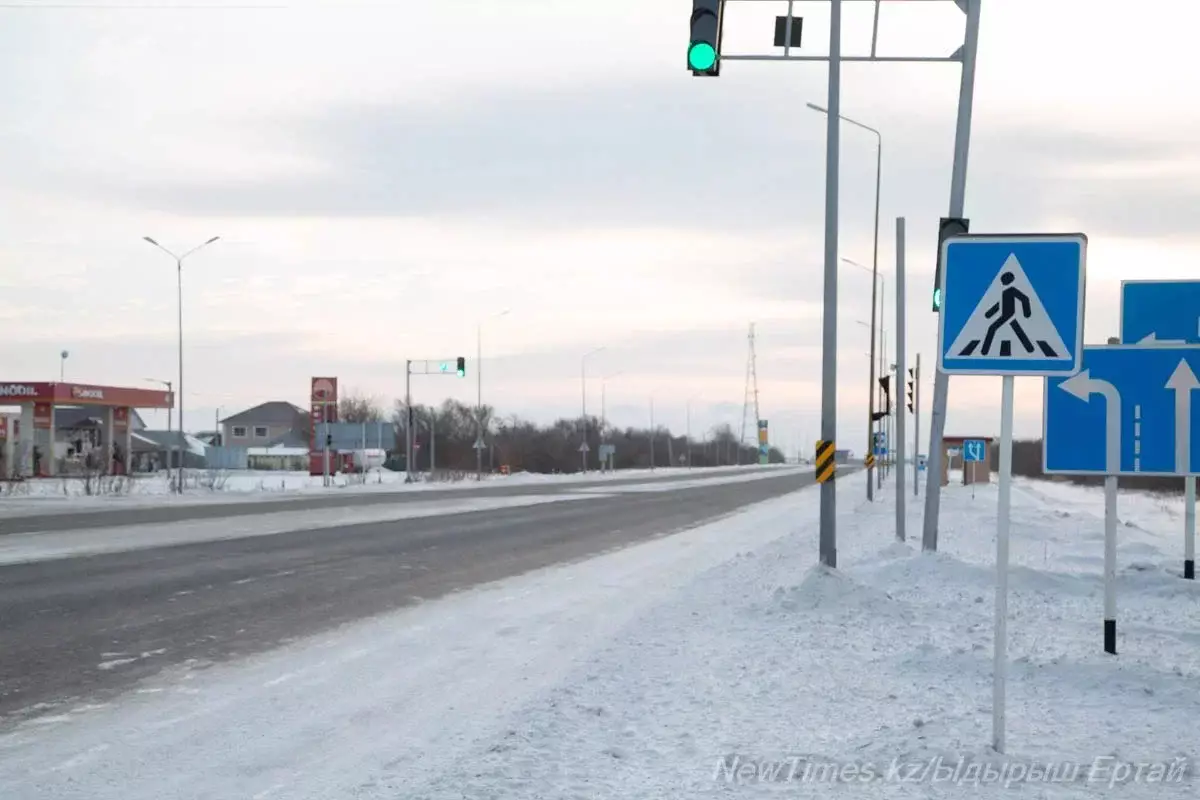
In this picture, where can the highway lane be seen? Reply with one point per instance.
(92, 518)
(85, 629)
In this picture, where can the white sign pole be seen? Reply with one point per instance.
(1189, 529)
(1110, 564)
(1000, 665)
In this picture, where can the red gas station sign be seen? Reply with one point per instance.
(78, 394)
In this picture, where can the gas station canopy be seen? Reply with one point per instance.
(79, 394)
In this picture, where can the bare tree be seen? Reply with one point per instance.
(355, 406)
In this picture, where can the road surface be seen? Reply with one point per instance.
(81, 630)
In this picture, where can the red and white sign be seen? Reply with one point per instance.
(323, 395)
(120, 419)
(42, 412)
(72, 394)
(18, 390)
(3, 427)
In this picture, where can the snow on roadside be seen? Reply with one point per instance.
(22, 548)
(374, 708)
(66, 495)
(719, 662)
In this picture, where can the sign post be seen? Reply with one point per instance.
(1166, 312)
(1011, 305)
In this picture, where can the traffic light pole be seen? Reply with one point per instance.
(917, 427)
(958, 190)
(705, 40)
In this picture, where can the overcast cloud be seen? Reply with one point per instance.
(385, 178)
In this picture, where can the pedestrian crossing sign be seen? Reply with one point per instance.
(1012, 304)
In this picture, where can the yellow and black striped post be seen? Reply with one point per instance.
(826, 465)
(869, 461)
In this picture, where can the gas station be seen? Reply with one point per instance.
(28, 440)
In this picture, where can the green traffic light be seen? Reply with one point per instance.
(701, 56)
(937, 299)
(462, 373)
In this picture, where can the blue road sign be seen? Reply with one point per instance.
(1012, 304)
(1160, 311)
(973, 449)
(764, 450)
(1132, 410)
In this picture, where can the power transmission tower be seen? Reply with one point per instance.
(751, 395)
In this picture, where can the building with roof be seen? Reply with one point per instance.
(266, 425)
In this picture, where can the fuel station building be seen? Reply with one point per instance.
(29, 442)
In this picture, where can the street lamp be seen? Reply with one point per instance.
(479, 445)
(179, 287)
(688, 430)
(583, 387)
(170, 427)
(876, 313)
(62, 366)
(604, 405)
(875, 257)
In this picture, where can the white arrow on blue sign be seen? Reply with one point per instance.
(1131, 410)
(973, 450)
(1160, 312)
(1012, 304)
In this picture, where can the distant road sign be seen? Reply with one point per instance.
(974, 449)
(1132, 410)
(1012, 304)
(1160, 311)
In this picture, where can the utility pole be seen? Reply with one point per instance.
(750, 399)
(901, 336)
(958, 191)
(653, 431)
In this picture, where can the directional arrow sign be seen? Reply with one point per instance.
(1130, 408)
(1083, 386)
(1160, 311)
(1183, 382)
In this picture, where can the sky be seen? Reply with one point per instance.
(388, 178)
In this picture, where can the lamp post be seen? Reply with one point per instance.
(62, 366)
(479, 444)
(876, 303)
(170, 427)
(179, 289)
(688, 430)
(583, 448)
(875, 257)
(604, 405)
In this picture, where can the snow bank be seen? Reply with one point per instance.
(716, 663)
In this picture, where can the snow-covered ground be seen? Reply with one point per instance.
(719, 662)
(59, 495)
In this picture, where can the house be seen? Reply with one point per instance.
(155, 450)
(265, 425)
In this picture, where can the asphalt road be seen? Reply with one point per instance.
(85, 629)
(92, 518)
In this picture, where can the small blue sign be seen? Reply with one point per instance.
(1131, 410)
(1012, 304)
(974, 449)
(764, 450)
(1160, 311)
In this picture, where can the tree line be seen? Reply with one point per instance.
(525, 446)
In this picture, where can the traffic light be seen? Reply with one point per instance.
(912, 379)
(462, 367)
(704, 46)
(947, 227)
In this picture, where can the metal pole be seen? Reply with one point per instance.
(828, 538)
(958, 190)
(688, 434)
(1189, 528)
(179, 288)
(917, 427)
(325, 443)
(652, 434)
(432, 442)
(900, 370)
(1000, 655)
(408, 422)
(1110, 564)
(882, 407)
(583, 407)
(479, 401)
